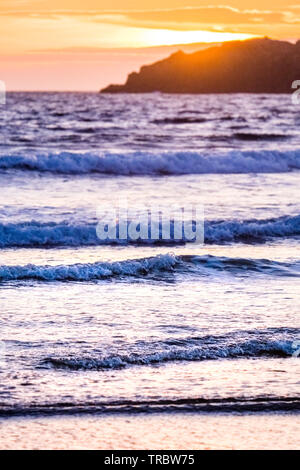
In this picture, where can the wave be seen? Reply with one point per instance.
(252, 136)
(274, 342)
(165, 163)
(252, 229)
(221, 405)
(155, 266)
(36, 234)
(89, 272)
(179, 120)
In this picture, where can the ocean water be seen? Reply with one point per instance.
(90, 325)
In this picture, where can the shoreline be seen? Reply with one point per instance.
(161, 431)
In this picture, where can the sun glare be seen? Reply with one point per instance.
(166, 37)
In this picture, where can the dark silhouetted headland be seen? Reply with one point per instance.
(252, 66)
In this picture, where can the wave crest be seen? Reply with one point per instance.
(161, 264)
(164, 163)
(36, 234)
(235, 345)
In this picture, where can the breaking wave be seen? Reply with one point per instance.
(161, 264)
(240, 344)
(36, 234)
(165, 163)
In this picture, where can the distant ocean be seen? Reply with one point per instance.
(88, 325)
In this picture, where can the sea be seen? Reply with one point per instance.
(158, 325)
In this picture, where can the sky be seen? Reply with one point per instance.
(86, 45)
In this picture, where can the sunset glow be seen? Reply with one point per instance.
(165, 37)
(68, 44)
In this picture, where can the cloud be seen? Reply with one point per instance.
(211, 15)
(186, 15)
(275, 23)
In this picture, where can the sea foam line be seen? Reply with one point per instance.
(230, 404)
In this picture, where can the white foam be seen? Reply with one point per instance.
(239, 344)
(88, 272)
(195, 265)
(35, 234)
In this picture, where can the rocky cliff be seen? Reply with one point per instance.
(252, 66)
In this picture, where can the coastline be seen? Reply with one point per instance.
(161, 431)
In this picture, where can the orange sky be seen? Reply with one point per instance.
(84, 45)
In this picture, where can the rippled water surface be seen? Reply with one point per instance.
(88, 325)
